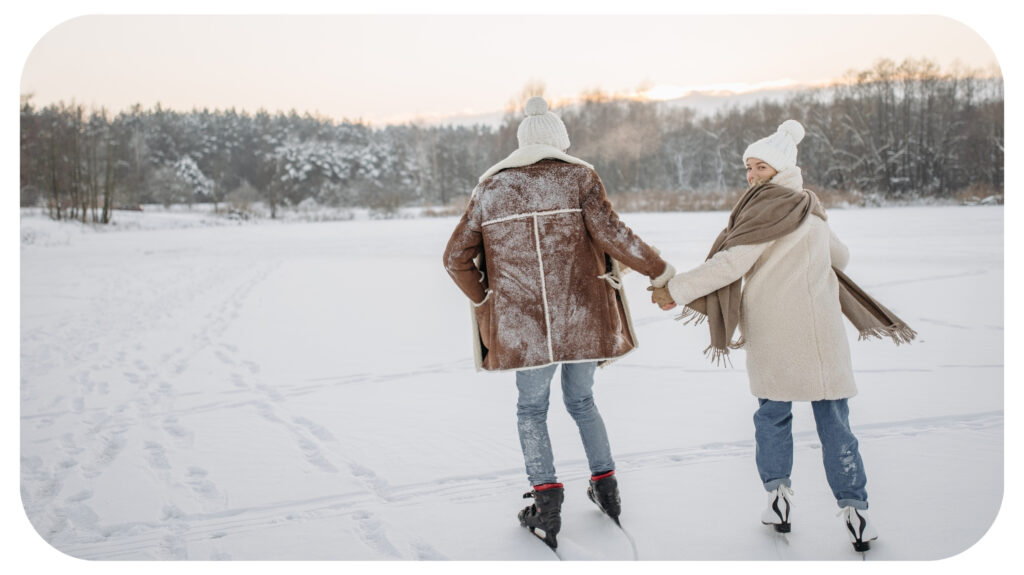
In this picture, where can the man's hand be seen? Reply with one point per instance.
(661, 297)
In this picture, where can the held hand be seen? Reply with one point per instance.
(661, 297)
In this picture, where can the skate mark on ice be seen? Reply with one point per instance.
(648, 320)
(803, 440)
(736, 371)
(632, 541)
(780, 543)
(369, 478)
(173, 547)
(270, 392)
(943, 323)
(895, 370)
(318, 383)
(973, 422)
(927, 279)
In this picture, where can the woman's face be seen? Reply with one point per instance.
(758, 171)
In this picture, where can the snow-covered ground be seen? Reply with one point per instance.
(306, 391)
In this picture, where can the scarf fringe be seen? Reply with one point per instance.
(690, 315)
(898, 333)
(718, 356)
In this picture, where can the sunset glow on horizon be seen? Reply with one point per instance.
(400, 68)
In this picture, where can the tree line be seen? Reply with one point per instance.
(896, 132)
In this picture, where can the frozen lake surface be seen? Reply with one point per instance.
(306, 391)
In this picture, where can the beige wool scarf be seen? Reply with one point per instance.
(767, 212)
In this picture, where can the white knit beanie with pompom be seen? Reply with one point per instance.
(779, 149)
(542, 126)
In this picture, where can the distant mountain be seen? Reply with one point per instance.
(702, 102)
(710, 102)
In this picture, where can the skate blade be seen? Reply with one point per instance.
(780, 527)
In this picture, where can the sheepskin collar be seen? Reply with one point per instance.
(531, 154)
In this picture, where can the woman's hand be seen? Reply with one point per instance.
(662, 298)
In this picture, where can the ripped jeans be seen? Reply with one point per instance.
(844, 469)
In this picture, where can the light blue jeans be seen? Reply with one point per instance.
(532, 411)
(844, 469)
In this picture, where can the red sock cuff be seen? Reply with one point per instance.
(602, 476)
(544, 486)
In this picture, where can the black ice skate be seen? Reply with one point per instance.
(544, 517)
(604, 491)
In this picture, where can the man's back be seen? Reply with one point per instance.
(548, 235)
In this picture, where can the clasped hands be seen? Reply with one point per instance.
(661, 297)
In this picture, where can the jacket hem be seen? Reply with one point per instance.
(601, 362)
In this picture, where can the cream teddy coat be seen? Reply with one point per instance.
(791, 324)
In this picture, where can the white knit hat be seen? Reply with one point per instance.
(541, 126)
(779, 149)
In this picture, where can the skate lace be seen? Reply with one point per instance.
(786, 491)
(846, 512)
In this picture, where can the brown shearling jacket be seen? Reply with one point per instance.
(537, 252)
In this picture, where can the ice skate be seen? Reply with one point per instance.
(544, 517)
(779, 506)
(604, 491)
(861, 531)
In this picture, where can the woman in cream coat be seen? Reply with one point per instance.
(793, 333)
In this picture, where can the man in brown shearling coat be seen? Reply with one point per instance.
(539, 253)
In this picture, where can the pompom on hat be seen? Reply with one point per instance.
(542, 126)
(779, 149)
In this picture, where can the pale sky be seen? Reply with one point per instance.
(393, 68)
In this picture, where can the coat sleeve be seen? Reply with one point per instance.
(613, 236)
(465, 244)
(717, 272)
(837, 250)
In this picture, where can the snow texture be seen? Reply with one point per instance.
(260, 392)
